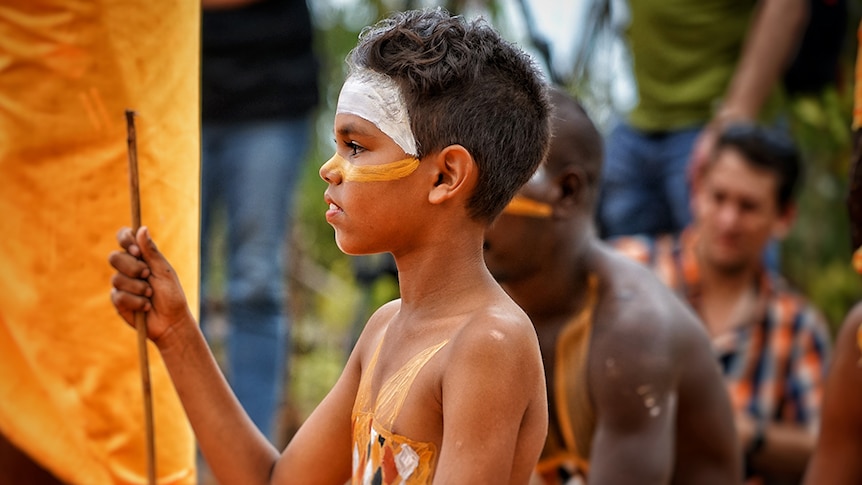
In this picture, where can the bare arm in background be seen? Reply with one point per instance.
(836, 457)
(772, 41)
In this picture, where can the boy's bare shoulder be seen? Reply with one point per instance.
(497, 334)
(376, 326)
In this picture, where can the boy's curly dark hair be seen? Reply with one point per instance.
(463, 84)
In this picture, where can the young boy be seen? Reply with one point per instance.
(438, 124)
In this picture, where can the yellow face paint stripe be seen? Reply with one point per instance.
(522, 206)
(371, 173)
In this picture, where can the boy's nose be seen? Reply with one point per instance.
(331, 172)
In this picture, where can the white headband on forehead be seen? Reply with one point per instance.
(376, 98)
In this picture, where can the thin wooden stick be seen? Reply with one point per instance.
(140, 319)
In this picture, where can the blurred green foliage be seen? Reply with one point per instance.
(816, 255)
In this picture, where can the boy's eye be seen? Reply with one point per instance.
(355, 149)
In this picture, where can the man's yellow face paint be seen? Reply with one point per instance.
(524, 206)
(371, 173)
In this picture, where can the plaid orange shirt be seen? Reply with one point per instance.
(775, 365)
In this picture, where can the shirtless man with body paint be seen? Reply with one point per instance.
(635, 394)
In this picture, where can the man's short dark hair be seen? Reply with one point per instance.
(767, 149)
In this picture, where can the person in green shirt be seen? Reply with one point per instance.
(698, 65)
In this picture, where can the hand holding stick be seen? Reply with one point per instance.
(140, 318)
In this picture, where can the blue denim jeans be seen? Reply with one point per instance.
(644, 182)
(251, 170)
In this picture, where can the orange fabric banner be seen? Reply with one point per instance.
(70, 388)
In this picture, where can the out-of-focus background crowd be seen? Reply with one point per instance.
(331, 292)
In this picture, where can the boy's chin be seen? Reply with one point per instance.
(350, 249)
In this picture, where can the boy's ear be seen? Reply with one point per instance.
(454, 174)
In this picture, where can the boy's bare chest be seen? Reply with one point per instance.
(406, 390)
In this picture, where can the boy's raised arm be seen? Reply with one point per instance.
(321, 451)
(235, 450)
(145, 281)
